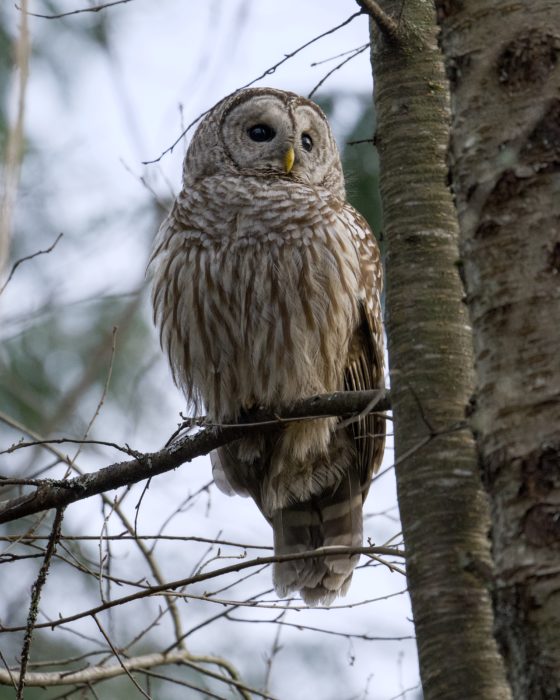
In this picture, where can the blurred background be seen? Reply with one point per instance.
(97, 95)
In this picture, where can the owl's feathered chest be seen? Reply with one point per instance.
(252, 210)
(257, 294)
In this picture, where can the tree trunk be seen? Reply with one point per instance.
(503, 60)
(443, 507)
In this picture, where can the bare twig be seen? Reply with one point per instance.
(94, 674)
(338, 55)
(97, 357)
(279, 606)
(47, 309)
(94, 8)
(26, 258)
(268, 71)
(275, 650)
(154, 568)
(118, 657)
(128, 526)
(187, 503)
(361, 415)
(346, 635)
(70, 441)
(272, 69)
(10, 481)
(405, 692)
(205, 576)
(126, 538)
(204, 692)
(10, 675)
(103, 393)
(386, 24)
(388, 564)
(209, 620)
(356, 52)
(233, 680)
(102, 557)
(35, 597)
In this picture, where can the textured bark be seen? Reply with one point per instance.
(443, 506)
(503, 60)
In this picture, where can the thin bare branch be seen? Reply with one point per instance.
(127, 538)
(10, 675)
(275, 650)
(94, 8)
(103, 393)
(147, 553)
(289, 604)
(405, 692)
(233, 680)
(35, 597)
(117, 509)
(209, 620)
(29, 257)
(355, 143)
(98, 355)
(268, 71)
(386, 24)
(204, 692)
(205, 576)
(272, 69)
(94, 674)
(118, 657)
(347, 635)
(338, 55)
(68, 441)
(388, 564)
(355, 53)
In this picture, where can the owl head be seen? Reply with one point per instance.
(266, 133)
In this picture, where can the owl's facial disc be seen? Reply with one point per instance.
(274, 135)
(268, 135)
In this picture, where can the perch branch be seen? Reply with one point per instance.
(57, 494)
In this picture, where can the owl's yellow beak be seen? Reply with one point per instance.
(289, 158)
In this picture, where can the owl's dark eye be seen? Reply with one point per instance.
(261, 132)
(306, 142)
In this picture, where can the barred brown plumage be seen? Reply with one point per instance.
(266, 289)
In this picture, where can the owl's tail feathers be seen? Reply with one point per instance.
(332, 520)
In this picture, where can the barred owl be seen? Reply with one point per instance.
(266, 289)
